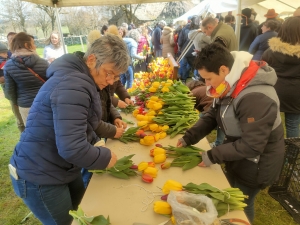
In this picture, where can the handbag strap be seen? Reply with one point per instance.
(34, 73)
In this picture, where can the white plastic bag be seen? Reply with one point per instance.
(192, 209)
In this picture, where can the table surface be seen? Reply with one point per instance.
(131, 201)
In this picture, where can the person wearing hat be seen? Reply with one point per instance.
(248, 30)
(271, 15)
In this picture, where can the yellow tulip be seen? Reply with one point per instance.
(162, 207)
(156, 136)
(153, 126)
(151, 113)
(158, 129)
(165, 89)
(158, 150)
(162, 135)
(150, 118)
(157, 106)
(141, 117)
(154, 98)
(151, 171)
(160, 158)
(155, 84)
(142, 166)
(165, 128)
(142, 123)
(171, 185)
(152, 89)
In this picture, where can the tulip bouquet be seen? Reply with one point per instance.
(128, 109)
(228, 199)
(124, 168)
(130, 135)
(81, 219)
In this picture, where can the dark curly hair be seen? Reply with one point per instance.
(212, 57)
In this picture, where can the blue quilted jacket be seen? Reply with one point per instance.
(59, 132)
(21, 86)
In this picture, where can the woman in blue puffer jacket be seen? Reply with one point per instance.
(59, 138)
(21, 85)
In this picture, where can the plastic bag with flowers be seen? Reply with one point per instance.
(192, 209)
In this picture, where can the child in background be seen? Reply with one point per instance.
(3, 58)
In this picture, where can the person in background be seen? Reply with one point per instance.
(232, 16)
(92, 36)
(53, 48)
(284, 56)
(15, 109)
(198, 89)
(260, 43)
(132, 42)
(104, 29)
(179, 26)
(3, 58)
(248, 30)
(167, 41)
(228, 20)
(112, 29)
(220, 17)
(59, 138)
(271, 15)
(253, 150)
(10, 36)
(144, 40)
(156, 35)
(220, 33)
(21, 82)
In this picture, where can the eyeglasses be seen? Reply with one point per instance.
(112, 76)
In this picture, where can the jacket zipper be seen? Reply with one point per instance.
(223, 114)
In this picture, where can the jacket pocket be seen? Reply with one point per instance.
(19, 187)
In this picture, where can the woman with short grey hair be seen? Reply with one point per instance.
(59, 138)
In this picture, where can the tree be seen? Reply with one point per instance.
(16, 12)
(129, 11)
(50, 12)
(42, 20)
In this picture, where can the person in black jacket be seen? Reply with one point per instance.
(246, 108)
(284, 56)
(21, 84)
(248, 30)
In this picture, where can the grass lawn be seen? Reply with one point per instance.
(13, 210)
(71, 49)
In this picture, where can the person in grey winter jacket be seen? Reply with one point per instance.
(59, 138)
(21, 85)
(246, 107)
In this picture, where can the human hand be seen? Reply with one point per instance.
(129, 101)
(120, 123)
(202, 164)
(122, 104)
(179, 144)
(112, 161)
(119, 132)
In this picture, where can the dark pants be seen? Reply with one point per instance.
(251, 192)
(51, 203)
(292, 122)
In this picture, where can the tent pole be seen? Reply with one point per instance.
(238, 23)
(60, 30)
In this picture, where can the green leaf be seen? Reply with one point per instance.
(120, 175)
(100, 220)
(79, 211)
(193, 163)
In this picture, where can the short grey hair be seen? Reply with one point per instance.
(135, 35)
(109, 49)
(162, 23)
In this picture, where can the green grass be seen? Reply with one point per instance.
(71, 49)
(13, 210)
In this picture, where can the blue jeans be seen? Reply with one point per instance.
(158, 53)
(292, 122)
(127, 78)
(251, 192)
(86, 177)
(184, 70)
(50, 203)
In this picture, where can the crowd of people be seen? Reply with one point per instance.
(65, 104)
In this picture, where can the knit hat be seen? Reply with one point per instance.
(247, 12)
(271, 13)
(297, 12)
(3, 48)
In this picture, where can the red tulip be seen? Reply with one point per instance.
(147, 178)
